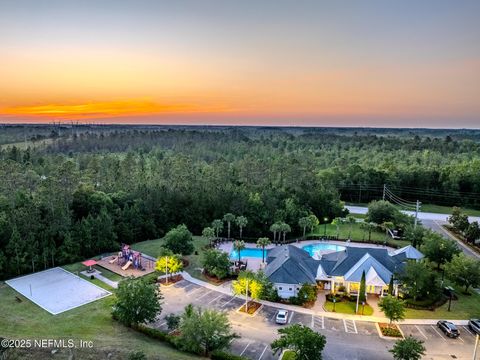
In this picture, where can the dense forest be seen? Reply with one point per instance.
(89, 188)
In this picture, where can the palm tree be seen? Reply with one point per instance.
(217, 225)
(262, 242)
(284, 229)
(337, 221)
(208, 233)
(386, 226)
(304, 222)
(313, 222)
(350, 221)
(229, 218)
(241, 222)
(275, 228)
(239, 245)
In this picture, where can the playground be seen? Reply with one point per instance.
(57, 290)
(128, 262)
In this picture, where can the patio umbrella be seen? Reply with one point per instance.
(89, 263)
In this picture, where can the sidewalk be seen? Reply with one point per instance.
(332, 315)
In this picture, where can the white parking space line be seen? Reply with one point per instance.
(273, 317)
(188, 287)
(228, 302)
(323, 322)
(421, 332)
(218, 297)
(245, 348)
(163, 323)
(204, 295)
(460, 338)
(313, 322)
(291, 317)
(468, 330)
(194, 291)
(350, 326)
(433, 327)
(263, 352)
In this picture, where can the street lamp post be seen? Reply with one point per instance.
(363, 306)
(334, 301)
(325, 219)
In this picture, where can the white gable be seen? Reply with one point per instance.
(372, 278)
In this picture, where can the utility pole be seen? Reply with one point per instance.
(166, 269)
(246, 297)
(384, 187)
(417, 209)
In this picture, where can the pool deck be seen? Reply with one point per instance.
(254, 263)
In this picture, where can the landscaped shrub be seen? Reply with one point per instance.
(426, 304)
(223, 355)
(389, 330)
(137, 355)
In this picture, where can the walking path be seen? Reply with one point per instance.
(228, 291)
(99, 276)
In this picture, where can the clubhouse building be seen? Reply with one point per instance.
(288, 267)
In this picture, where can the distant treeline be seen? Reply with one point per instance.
(87, 191)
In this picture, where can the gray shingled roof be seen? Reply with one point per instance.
(291, 265)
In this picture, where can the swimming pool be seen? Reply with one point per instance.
(311, 249)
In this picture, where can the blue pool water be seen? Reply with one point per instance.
(311, 249)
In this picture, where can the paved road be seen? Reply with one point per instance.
(431, 221)
(421, 215)
(346, 338)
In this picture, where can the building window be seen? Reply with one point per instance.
(289, 289)
(279, 288)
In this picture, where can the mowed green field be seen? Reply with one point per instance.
(356, 234)
(25, 320)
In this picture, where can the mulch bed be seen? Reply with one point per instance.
(252, 307)
(215, 280)
(390, 330)
(171, 280)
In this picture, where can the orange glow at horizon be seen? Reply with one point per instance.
(107, 109)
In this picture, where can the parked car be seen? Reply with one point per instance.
(282, 317)
(474, 325)
(448, 328)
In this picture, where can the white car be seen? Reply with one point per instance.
(282, 317)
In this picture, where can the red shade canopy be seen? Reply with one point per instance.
(89, 262)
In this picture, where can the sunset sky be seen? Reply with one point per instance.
(326, 63)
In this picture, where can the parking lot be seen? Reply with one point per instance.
(346, 339)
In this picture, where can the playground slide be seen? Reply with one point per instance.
(113, 260)
(127, 265)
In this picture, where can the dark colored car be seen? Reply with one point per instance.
(448, 328)
(474, 325)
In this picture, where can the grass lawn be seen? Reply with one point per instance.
(152, 248)
(76, 268)
(437, 209)
(288, 355)
(357, 234)
(466, 307)
(25, 320)
(348, 307)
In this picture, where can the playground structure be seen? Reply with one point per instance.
(128, 262)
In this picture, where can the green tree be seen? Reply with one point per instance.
(438, 249)
(216, 262)
(284, 229)
(275, 229)
(408, 349)
(306, 343)
(464, 271)
(217, 225)
(313, 222)
(350, 220)
(387, 226)
(304, 222)
(261, 243)
(393, 308)
(203, 331)
(179, 240)
(239, 245)
(414, 235)
(472, 232)
(390, 286)
(169, 264)
(419, 281)
(229, 218)
(241, 222)
(362, 291)
(136, 302)
(307, 293)
(381, 211)
(337, 222)
(208, 233)
(458, 219)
